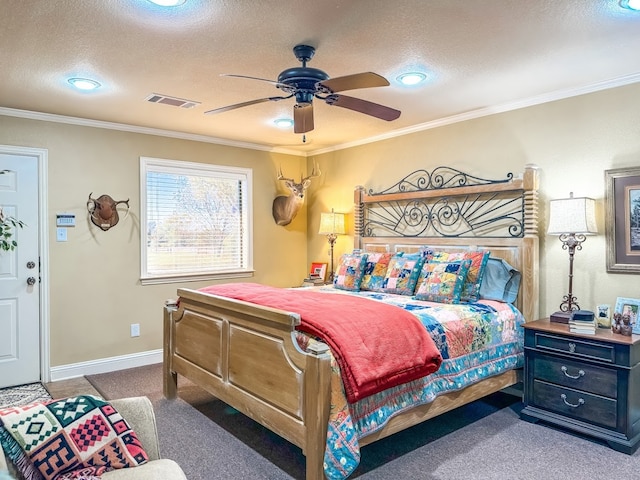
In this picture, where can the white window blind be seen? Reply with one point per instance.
(196, 220)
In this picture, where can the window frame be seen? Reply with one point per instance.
(150, 164)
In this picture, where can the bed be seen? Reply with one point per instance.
(249, 355)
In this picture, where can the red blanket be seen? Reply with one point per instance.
(377, 346)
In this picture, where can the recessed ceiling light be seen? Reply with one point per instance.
(283, 122)
(168, 3)
(84, 83)
(411, 78)
(630, 4)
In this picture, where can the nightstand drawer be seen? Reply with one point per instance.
(576, 375)
(575, 347)
(575, 403)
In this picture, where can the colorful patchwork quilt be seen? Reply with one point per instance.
(476, 340)
(76, 437)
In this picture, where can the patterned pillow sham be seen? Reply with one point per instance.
(402, 274)
(479, 259)
(375, 270)
(350, 270)
(443, 281)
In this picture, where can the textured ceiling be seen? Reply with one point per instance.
(482, 56)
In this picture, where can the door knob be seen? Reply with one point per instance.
(31, 281)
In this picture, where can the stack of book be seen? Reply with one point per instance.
(585, 327)
(312, 281)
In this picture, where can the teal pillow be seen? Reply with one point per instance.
(442, 281)
(348, 275)
(402, 274)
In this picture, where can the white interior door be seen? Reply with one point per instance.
(20, 273)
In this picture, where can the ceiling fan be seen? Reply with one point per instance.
(304, 83)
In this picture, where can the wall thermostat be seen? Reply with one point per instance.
(65, 220)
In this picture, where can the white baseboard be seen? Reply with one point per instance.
(105, 365)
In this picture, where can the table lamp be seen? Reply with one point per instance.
(331, 225)
(572, 219)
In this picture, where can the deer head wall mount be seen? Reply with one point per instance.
(103, 211)
(285, 207)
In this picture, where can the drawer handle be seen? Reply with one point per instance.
(564, 399)
(580, 373)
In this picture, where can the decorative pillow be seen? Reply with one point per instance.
(501, 281)
(348, 276)
(443, 281)
(426, 252)
(375, 269)
(55, 438)
(402, 274)
(479, 258)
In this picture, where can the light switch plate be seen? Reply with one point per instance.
(61, 234)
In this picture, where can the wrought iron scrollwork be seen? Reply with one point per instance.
(439, 178)
(485, 214)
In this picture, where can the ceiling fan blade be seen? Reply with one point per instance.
(363, 106)
(302, 118)
(272, 82)
(245, 104)
(351, 82)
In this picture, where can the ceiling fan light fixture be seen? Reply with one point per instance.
(630, 4)
(411, 78)
(168, 3)
(84, 84)
(283, 122)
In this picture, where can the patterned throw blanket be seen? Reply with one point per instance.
(74, 438)
(377, 346)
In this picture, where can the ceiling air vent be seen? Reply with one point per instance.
(173, 101)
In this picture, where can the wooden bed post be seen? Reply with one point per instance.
(531, 282)
(317, 398)
(169, 377)
(358, 220)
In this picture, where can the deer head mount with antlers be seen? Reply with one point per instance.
(103, 211)
(285, 207)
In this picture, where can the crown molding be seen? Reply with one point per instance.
(471, 115)
(85, 122)
(492, 110)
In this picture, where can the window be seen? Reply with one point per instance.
(196, 221)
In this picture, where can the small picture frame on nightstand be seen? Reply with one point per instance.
(631, 307)
(319, 269)
(603, 316)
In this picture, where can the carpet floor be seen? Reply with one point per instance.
(23, 395)
(484, 440)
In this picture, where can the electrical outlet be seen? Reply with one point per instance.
(135, 329)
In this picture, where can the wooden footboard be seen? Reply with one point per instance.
(247, 357)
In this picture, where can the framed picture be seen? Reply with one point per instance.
(319, 269)
(623, 220)
(631, 307)
(603, 316)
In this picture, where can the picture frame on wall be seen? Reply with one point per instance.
(318, 269)
(631, 307)
(622, 191)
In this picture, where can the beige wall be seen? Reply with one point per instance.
(573, 141)
(94, 276)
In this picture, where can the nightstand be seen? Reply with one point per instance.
(589, 384)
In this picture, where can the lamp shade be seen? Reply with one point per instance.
(572, 215)
(332, 223)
